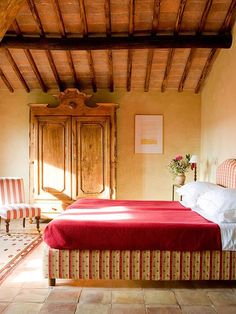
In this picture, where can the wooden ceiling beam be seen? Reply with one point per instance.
(107, 8)
(35, 69)
(228, 22)
(149, 69)
(36, 17)
(118, 43)
(201, 27)
(16, 27)
(171, 52)
(16, 70)
(8, 13)
(131, 16)
(89, 53)
(156, 16)
(63, 34)
(5, 81)
(54, 70)
(129, 69)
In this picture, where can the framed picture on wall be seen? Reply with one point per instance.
(148, 134)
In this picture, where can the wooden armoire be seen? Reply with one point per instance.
(72, 152)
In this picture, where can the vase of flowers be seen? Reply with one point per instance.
(178, 167)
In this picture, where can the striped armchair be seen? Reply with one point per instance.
(12, 202)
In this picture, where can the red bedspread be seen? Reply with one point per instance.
(131, 225)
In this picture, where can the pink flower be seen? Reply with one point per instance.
(178, 157)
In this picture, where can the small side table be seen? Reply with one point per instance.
(175, 186)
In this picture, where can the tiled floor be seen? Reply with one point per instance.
(26, 291)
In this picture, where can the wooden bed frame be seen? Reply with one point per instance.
(145, 265)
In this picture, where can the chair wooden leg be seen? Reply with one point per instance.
(23, 222)
(52, 281)
(7, 222)
(37, 223)
(30, 220)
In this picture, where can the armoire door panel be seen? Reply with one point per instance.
(91, 157)
(53, 156)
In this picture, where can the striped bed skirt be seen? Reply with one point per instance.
(139, 265)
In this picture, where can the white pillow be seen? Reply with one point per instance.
(227, 216)
(191, 191)
(218, 201)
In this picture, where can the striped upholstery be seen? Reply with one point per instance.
(226, 174)
(12, 201)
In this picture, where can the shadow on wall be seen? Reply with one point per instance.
(210, 166)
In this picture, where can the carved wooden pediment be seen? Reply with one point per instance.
(73, 98)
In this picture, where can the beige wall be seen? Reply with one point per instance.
(219, 113)
(139, 176)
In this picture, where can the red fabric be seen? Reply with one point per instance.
(131, 225)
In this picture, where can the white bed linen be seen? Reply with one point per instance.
(227, 230)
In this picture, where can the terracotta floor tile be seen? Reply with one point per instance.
(128, 309)
(8, 294)
(95, 296)
(3, 306)
(226, 309)
(222, 298)
(23, 308)
(32, 295)
(93, 308)
(158, 309)
(198, 309)
(56, 307)
(65, 295)
(192, 297)
(127, 297)
(159, 297)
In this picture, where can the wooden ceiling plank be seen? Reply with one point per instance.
(118, 43)
(156, 16)
(131, 16)
(36, 17)
(229, 19)
(83, 17)
(149, 69)
(108, 17)
(6, 82)
(35, 69)
(72, 68)
(204, 17)
(8, 13)
(171, 52)
(16, 70)
(130, 51)
(200, 29)
(54, 70)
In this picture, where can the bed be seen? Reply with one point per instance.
(109, 239)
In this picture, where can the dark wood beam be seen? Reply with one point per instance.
(8, 13)
(16, 27)
(129, 69)
(61, 24)
(118, 43)
(54, 70)
(16, 70)
(228, 22)
(180, 14)
(108, 17)
(6, 82)
(92, 71)
(110, 65)
(131, 16)
(186, 69)
(149, 69)
(205, 70)
(156, 16)
(36, 17)
(204, 17)
(83, 17)
(107, 8)
(35, 69)
(201, 27)
(167, 70)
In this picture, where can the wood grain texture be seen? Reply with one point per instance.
(8, 13)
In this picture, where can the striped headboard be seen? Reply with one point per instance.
(226, 173)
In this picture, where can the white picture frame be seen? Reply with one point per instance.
(148, 134)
